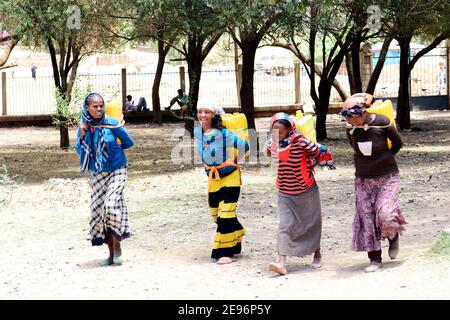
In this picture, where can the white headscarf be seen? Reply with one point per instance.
(212, 106)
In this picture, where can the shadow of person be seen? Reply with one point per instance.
(89, 265)
(350, 270)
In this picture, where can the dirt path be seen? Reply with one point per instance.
(44, 252)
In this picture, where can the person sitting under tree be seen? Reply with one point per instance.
(182, 99)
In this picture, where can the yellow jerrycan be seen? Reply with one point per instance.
(385, 108)
(114, 110)
(237, 123)
(305, 124)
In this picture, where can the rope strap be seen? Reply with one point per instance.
(367, 127)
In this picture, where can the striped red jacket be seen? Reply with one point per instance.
(296, 164)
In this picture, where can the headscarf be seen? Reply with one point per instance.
(212, 106)
(286, 119)
(93, 140)
(356, 104)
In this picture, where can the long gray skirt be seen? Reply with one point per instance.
(300, 225)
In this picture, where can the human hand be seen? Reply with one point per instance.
(267, 149)
(83, 128)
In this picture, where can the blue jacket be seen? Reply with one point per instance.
(116, 155)
(218, 142)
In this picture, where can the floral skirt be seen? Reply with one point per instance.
(378, 215)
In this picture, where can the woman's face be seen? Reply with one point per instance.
(96, 108)
(279, 131)
(205, 117)
(357, 119)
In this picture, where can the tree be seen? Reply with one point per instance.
(10, 38)
(248, 23)
(149, 20)
(330, 27)
(366, 16)
(415, 18)
(201, 25)
(69, 31)
(8, 42)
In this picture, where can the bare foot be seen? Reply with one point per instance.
(278, 268)
(316, 263)
(225, 260)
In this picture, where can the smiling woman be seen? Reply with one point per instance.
(105, 159)
(224, 178)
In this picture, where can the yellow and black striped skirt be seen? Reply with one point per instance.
(222, 199)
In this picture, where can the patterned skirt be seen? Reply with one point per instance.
(223, 195)
(378, 215)
(109, 214)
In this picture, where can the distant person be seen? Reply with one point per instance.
(182, 99)
(442, 78)
(142, 105)
(33, 71)
(129, 105)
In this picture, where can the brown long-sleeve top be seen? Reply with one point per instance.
(372, 156)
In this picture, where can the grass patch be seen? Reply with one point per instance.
(441, 246)
(7, 186)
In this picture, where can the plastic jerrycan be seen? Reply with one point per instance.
(114, 110)
(305, 124)
(385, 108)
(237, 123)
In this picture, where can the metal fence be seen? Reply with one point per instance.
(427, 78)
(28, 96)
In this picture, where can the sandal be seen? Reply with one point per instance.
(105, 262)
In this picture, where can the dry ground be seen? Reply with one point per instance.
(44, 252)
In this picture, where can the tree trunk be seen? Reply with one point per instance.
(194, 72)
(356, 67)
(379, 66)
(248, 70)
(64, 142)
(73, 77)
(157, 81)
(403, 107)
(322, 108)
(351, 76)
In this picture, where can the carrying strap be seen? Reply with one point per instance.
(214, 171)
(120, 124)
(366, 127)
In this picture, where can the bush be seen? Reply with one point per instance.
(442, 244)
(7, 186)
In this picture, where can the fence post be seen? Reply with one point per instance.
(447, 44)
(239, 83)
(124, 87)
(182, 79)
(365, 60)
(298, 94)
(4, 94)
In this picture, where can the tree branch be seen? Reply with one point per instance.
(8, 49)
(427, 49)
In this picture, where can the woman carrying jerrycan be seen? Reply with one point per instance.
(300, 226)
